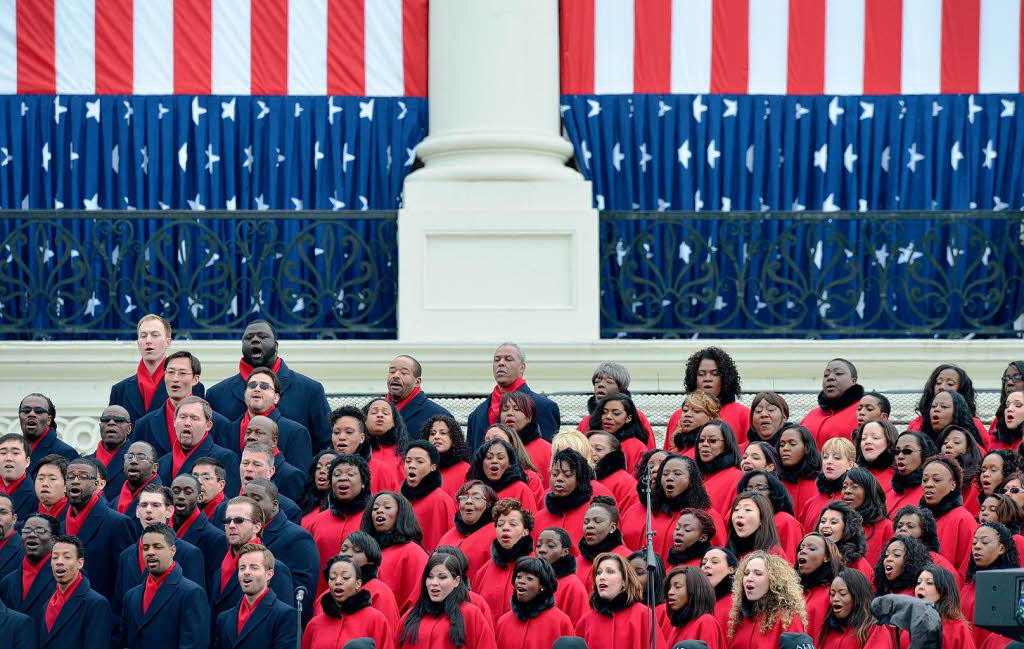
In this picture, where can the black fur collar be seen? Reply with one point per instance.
(904, 483)
(880, 463)
(609, 607)
(829, 487)
(609, 464)
(719, 463)
(531, 609)
(448, 459)
(564, 566)
(685, 441)
(949, 502)
(559, 505)
(383, 441)
(607, 544)
(530, 433)
(504, 558)
(695, 551)
(390, 538)
(349, 507)
(427, 486)
(823, 576)
(465, 529)
(352, 605)
(368, 571)
(724, 588)
(844, 400)
(511, 476)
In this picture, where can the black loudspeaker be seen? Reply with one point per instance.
(999, 603)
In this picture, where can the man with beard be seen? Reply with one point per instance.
(405, 377)
(27, 588)
(144, 392)
(166, 609)
(290, 481)
(76, 616)
(193, 421)
(139, 471)
(243, 524)
(262, 397)
(10, 541)
(36, 415)
(181, 376)
(50, 479)
(302, 399)
(294, 545)
(258, 462)
(115, 426)
(192, 525)
(14, 461)
(104, 532)
(261, 620)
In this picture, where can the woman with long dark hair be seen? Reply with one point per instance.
(842, 524)
(769, 412)
(690, 602)
(554, 546)
(719, 565)
(496, 464)
(443, 617)
(836, 414)
(801, 462)
(818, 561)
(902, 561)
(957, 443)
(318, 485)
(848, 621)
(948, 378)
(514, 525)
(364, 551)
(767, 601)
(475, 598)
(617, 617)
(875, 441)
(346, 501)
(937, 586)
(600, 534)
(509, 436)
(534, 622)
(838, 455)
(1009, 424)
(568, 499)
(995, 471)
(445, 434)
(518, 411)
(698, 409)
(609, 378)
(386, 433)
(905, 488)
(473, 531)
(610, 468)
(863, 493)
(1000, 508)
(950, 409)
(692, 538)
(942, 479)
(718, 458)
(760, 456)
(751, 526)
(434, 509)
(390, 519)
(617, 414)
(347, 611)
(993, 548)
(789, 529)
(919, 523)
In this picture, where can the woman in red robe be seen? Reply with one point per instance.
(600, 534)
(752, 526)
(566, 503)
(364, 551)
(434, 509)
(473, 529)
(571, 596)
(617, 617)
(1007, 428)
(838, 455)
(842, 525)
(712, 371)
(718, 458)
(347, 612)
(789, 529)
(993, 549)
(497, 465)
(534, 622)
(692, 538)
(690, 601)
(848, 621)
(836, 414)
(445, 434)
(610, 469)
(941, 482)
(959, 410)
(801, 462)
(875, 440)
(769, 412)
(519, 412)
(443, 617)
(767, 603)
(607, 379)
(920, 524)
(616, 414)
(514, 525)
(390, 520)
(719, 564)
(995, 470)
(387, 436)
(937, 586)
(698, 409)
(862, 492)
(957, 443)
(905, 488)
(818, 561)
(903, 559)
(315, 496)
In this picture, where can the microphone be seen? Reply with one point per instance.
(300, 594)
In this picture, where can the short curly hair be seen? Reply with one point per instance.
(783, 601)
(506, 506)
(726, 368)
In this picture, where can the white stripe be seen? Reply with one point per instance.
(999, 46)
(921, 67)
(74, 26)
(307, 47)
(768, 47)
(844, 47)
(613, 46)
(230, 47)
(8, 47)
(691, 46)
(153, 47)
(384, 56)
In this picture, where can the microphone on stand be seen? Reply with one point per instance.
(652, 560)
(300, 594)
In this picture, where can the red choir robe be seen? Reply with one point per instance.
(540, 452)
(943, 562)
(433, 632)
(386, 471)
(894, 500)
(634, 525)
(494, 584)
(809, 512)
(884, 477)
(453, 477)
(704, 627)
(436, 515)
(584, 426)
(956, 535)
(521, 492)
(826, 424)
(381, 598)
(325, 632)
(536, 485)
(749, 635)
(988, 441)
(722, 608)
(630, 627)
(633, 449)
(401, 567)
(570, 521)
(846, 638)
(735, 414)
(801, 491)
(476, 546)
(877, 535)
(955, 634)
(790, 532)
(818, 606)
(328, 531)
(623, 488)
(536, 633)
(865, 568)
(584, 565)
(571, 596)
(721, 487)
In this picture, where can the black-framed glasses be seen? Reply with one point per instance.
(128, 457)
(262, 385)
(906, 451)
(237, 520)
(39, 410)
(117, 419)
(1014, 378)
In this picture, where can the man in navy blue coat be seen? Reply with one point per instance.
(153, 339)
(10, 541)
(17, 630)
(293, 543)
(140, 472)
(193, 421)
(508, 367)
(166, 609)
(290, 481)
(83, 618)
(115, 426)
(181, 376)
(405, 378)
(36, 415)
(260, 620)
(302, 399)
(36, 542)
(262, 397)
(14, 480)
(103, 532)
(191, 525)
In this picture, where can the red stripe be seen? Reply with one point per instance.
(883, 46)
(806, 56)
(730, 38)
(652, 46)
(269, 48)
(37, 47)
(346, 50)
(193, 43)
(113, 47)
(961, 36)
(577, 44)
(414, 47)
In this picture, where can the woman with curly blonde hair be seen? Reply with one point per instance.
(767, 601)
(698, 409)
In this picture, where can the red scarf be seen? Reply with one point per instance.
(246, 370)
(148, 383)
(29, 572)
(496, 395)
(39, 441)
(229, 566)
(54, 511)
(105, 456)
(9, 489)
(211, 506)
(172, 434)
(179, 456)
(245, 424)
(4, 542)
(153, 585)
(404, 402)
(184, 527)
(245, 609)
(127, 496)
(73, 522)
(58, 600)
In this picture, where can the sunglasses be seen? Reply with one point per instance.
(262, 385)
(907, 451)
(236, 520)
(106, 419)
(37, 410)
(1015, 378)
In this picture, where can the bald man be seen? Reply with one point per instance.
(290, 480)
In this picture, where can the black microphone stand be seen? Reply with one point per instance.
(652, 562)
(300, 594)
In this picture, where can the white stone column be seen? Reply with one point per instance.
(497, 237)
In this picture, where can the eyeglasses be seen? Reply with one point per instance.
(476, 498)
(35, 531)
(906, 451)
(262, 385)
(39, 410)
(237, 520)
(106, 419)
(1008, 490)
(177, 374)
(1015, 378)
(128, 457)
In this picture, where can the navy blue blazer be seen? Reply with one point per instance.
(287, 505)
(211, 542)
(281, 584)
(32, 603)
(133, 507)
(290, 481)
(51, 444)
(418, 411)
(85, 622)
(178, 616)
(115, 471)
(126, 393)
(548, 418)
(152, 428)
(293, 439)
(302, 400)
(11, 555)
(129, 575)
(25, 501)
(105, 534)
(17, 630)
(270, 626)
(297, 549)
(206, 448)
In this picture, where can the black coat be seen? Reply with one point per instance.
(129, 575)
(271, 626)
(297, 549)
(11, 555)
(32, 603)
(126, 393)
(85, 622)
(206, 448)
(293, 439)
(548, 418)
(115, 471)
(418, 411)
(25, 501)
(153, 429)
(17, 630)
(50, 444)
(105, 534)
(178, 616)
(211, 542)
(281, 585)
(290, 481)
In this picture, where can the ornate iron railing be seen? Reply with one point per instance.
(814, 275)
(75, 275)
